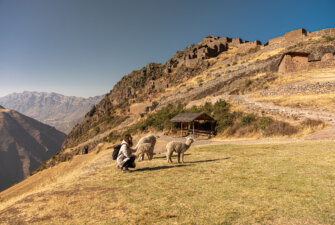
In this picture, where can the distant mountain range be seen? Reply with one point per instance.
(24, 144)
(62, 112)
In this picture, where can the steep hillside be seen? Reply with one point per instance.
(214, 67)
(62, 112)
(24, 144)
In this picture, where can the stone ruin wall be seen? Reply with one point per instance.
(293, 64)
(292, 36)
(301, 34)
(277, 40)
(236, 42)
(305, 89)
(296, 35)
(245, 47)
(327, 60)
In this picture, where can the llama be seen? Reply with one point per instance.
(146, 146)
(178, 147)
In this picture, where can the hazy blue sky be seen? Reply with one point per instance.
(83, 47)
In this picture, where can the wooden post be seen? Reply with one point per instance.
(193, 128)
(181, 129)
(171, 127)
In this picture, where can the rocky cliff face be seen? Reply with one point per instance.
(24, 144)
(62, 112)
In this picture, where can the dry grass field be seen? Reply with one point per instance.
(310, 76)
(322, 102)
(226, 184)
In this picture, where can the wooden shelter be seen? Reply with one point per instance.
(193, 123)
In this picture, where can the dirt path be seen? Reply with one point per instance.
(288, 113)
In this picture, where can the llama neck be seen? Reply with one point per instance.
(188, 144)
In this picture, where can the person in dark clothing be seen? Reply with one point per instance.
(86, 149)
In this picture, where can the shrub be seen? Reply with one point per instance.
(222, 115)
(92, 111)
(280, 128)
(161, 119)
(112, 137)
(248, 83)
(312, 123)
(97, 130)
(264, 122)
(247, 120)
(328, 38)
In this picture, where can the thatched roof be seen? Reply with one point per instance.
(189, 117)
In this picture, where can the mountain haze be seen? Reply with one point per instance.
(62, 112)
(24, 144)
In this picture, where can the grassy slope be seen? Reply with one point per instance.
(322, 102)
(232, 184)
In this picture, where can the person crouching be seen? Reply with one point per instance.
(125, 159)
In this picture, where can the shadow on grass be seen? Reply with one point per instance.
(158, 168)
(208, 160)
(178, 165)
(161, 156)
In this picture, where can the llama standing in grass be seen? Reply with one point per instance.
(179, 147)
(146, 146)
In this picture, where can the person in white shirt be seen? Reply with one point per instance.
(125, 158)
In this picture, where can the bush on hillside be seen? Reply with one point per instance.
(229, 123)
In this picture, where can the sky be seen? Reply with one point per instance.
(84, 47)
